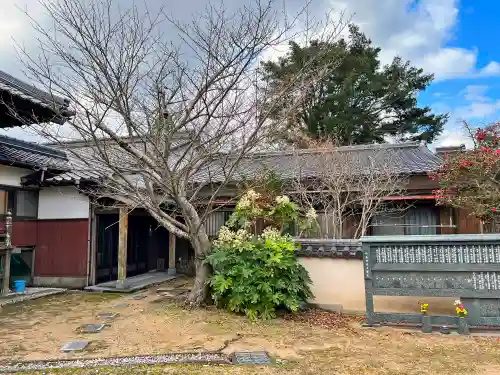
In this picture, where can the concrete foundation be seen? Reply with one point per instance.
(60, 282)
(132, 284)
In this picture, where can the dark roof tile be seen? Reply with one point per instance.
(26, 91)
(408, 158)
(20, 153)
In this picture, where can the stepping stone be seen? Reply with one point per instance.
(74, 346)
(107, 315)
(139, 296)
(121, 305)
(92, 328)
(165, 290)
(444, 330)
(252, 358)
(175, 292)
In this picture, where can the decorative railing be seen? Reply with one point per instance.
(466, 267)
(329, 248)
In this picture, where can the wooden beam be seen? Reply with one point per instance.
(122, 245)
(171, 253)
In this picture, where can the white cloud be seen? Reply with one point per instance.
(419, 32)
(15, 27)
(492, 69)
(479, 105)
(475, 93)
(454, 137)
(477, 110)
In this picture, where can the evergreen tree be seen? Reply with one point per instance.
(358, 101)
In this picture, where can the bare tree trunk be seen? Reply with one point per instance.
(199, 292)
(157, 101)
(201, 246)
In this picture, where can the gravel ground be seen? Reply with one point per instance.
(207, 358)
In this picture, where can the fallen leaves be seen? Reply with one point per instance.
(324, 319)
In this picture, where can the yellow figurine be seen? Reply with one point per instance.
(460, 309)
(424, 307)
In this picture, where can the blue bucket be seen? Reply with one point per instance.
(19, 286)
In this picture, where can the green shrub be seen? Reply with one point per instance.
(257, 274)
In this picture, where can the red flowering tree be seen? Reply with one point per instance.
(470, 179)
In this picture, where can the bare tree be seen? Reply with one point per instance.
(177, 117)
(347, 185)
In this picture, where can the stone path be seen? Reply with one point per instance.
(80, 345)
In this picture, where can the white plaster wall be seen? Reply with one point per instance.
(62, 203)
(11, 176)
(340, 282)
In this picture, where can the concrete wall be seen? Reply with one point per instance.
(338, 284)
(62, 203)
(11, 176)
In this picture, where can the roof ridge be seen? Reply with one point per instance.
(33, 147)
(31, 89)
(339, 148)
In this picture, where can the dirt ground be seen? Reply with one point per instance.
(37, 329)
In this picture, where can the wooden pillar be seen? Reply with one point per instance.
(6, 273)
(171, 254)
(122, 246)
(7, 254)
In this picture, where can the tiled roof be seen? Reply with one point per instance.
(29, 92)
(79, 169)
(86, 162)
(20, 153)
(408, 158)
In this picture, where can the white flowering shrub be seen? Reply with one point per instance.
(258, 274)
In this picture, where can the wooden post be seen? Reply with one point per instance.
(122, 247)
(171, 254)
(7, 255)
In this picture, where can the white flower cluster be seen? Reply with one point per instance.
(270, 233)
(252, 194)
(233, 239)
(225, 234)
(282, 199)
(311, 214)
(247, 199)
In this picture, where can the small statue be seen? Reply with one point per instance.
(460, 309)
(424, 307)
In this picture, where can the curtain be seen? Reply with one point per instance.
(414, 221)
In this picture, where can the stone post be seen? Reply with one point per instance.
(463, 326)
(426, 324)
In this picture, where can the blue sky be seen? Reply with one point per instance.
(454, 39)
(468, 97)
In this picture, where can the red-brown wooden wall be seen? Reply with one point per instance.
(61, 246)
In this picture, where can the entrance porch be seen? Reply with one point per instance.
(133, 283)
(132, 251)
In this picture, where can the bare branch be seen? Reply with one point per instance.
(165, 111)
(346, 185)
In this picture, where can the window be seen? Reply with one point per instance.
(215, 220)
(26, 203)
(415, 220)
(21, 203)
